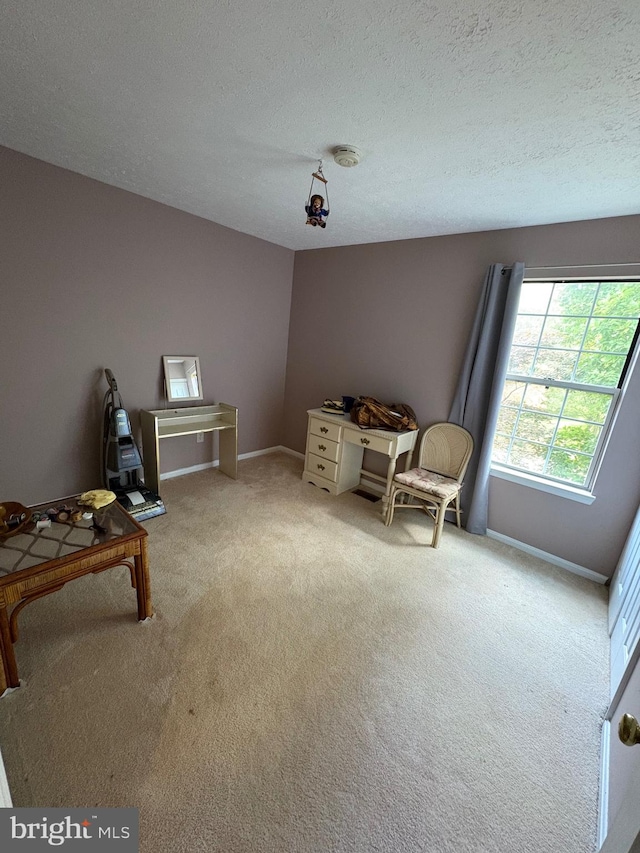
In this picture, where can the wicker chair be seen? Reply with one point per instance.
(445, 451)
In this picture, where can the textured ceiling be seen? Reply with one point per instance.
(470, 116)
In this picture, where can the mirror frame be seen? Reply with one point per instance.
(166, 359)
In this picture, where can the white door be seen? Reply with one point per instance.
(624, 608)
(619, 830)
(624, 830)
(624, 834)
(620, 794)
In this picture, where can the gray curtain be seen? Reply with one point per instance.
(479, 392)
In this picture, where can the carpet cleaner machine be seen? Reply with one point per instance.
(121, 460)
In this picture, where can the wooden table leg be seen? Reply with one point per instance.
(9, 668)
(143, 584)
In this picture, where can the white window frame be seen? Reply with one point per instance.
(548, 483)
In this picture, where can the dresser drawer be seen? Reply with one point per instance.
(322, 467)
(369, 442)
(324, 429)
(323, 447)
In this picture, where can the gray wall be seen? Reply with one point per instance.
(93, 277)
(392, 319)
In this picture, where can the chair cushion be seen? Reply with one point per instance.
(426, 481)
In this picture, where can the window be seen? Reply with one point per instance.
(571, 351)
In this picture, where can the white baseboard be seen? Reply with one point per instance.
(277, 449)
(288, 450)
(549, 558)
(178, 472)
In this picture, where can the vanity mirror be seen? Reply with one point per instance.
(182, 378)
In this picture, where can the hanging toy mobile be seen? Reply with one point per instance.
(315, 209)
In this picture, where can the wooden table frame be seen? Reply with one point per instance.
(19, 588)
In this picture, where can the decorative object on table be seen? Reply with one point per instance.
(314, 208)
(182, 379)
(62, 514)
(96, 498)
(370, 413)
(14, 517)
(42, 519)
(333, 407)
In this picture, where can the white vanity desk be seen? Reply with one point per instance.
(159, 424)
(335, 447)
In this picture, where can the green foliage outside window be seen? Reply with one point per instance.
(571, 333)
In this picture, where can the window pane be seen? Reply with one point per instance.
(567, 332)
(536, 427)
(534, 297)
(544, 398)
(599, 369)
(618, 299)
(513, 393)
(610, 335)
(529, 456)
(573, 298)
(576, 436)
(500, 448)
(587, 406)
(569, 466)
(563, 332)
(555, 364)
(506, 420)
(527, 331)
(521, 360)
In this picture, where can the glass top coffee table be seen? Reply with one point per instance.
(36, 562)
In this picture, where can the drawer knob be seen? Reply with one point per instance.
(364, 441)
(324, 429)
(321, 467)
(321, 447)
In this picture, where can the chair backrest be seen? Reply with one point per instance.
(446, 449)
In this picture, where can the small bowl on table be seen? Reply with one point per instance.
(14, 517)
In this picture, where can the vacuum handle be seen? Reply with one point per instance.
(111, 379)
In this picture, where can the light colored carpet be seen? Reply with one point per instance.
(314, 681)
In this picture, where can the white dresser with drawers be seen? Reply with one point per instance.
(335, 450)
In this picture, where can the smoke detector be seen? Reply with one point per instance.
(347, 155)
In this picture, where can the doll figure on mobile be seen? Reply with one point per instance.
(316, 213)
